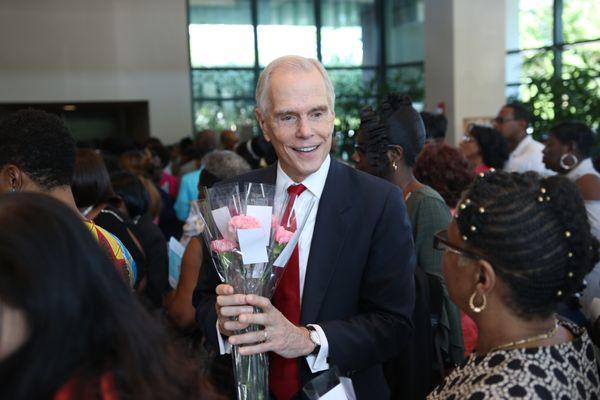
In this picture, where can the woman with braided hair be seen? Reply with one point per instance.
(387, 146)
(518, 247)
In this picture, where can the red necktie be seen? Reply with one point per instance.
(284, 376)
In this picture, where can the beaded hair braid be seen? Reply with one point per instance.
(376, 143)
(534, 232)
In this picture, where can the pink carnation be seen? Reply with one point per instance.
(282, 235)
(222, 245)
(243, 222)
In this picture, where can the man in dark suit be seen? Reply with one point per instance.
(348, 297)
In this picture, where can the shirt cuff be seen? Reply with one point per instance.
(318, 362)
(224, 346)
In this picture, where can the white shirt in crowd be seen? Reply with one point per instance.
(590, 300)
(314, 183)
(527, 156)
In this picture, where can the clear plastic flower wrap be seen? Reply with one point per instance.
(250, 246)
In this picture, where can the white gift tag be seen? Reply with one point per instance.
(252, 246)
(337, 393)
(265, 215)
(222, 218)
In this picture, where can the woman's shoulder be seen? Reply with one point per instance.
(429, 201)
(552, 372)
(427, 193)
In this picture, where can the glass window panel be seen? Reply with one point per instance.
(221, 33)
(528, 24)
(581, 20)
(352, 23)
(353, 82)
(409, 81)
(581, 56)
(237, 115)
(512, 93)
(286, 27)
(405, 30)
(520, 67)
(232, 83)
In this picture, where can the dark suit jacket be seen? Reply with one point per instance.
(359, 284)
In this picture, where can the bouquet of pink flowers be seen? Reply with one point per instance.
(250, 246)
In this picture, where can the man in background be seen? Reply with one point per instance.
(525, 152)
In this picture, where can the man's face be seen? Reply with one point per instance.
(507, 125)
(299, 122)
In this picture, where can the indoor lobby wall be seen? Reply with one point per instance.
(465, 55)
(109, 50)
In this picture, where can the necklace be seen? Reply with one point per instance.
(545, 335)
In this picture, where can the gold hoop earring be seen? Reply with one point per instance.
(394, 165)
(480, 308)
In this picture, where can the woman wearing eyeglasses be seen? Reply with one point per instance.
(387, 146)
(519, 246)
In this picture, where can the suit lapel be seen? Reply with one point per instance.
(331, 228)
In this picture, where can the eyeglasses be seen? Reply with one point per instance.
(500, 120)
(440, 242)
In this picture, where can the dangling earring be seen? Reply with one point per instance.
(568, 165)
(480, 308)
(394, 165)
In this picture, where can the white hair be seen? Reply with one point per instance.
(297, 63)
(225, 164)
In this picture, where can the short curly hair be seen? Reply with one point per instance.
(445, 169)
(40, 145)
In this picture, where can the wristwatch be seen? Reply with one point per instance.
(314, 337)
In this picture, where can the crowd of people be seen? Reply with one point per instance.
(424, 270)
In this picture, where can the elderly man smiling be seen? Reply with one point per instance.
(347, 295)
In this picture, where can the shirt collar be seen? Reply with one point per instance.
(315, 182)
(522, 146)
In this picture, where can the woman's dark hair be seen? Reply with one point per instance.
(133, 193)
(158, 149)
(397, 123)
(493, 146)
(404, 126)
(534, 232)
(445, 169)
(577, 133)
(435, 125)
(91, 183)
(138, 162)
(83, 322)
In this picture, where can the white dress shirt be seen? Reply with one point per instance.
(314, 183)
(527, 156)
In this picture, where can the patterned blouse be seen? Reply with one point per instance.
(117, 253)
(563, 371)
